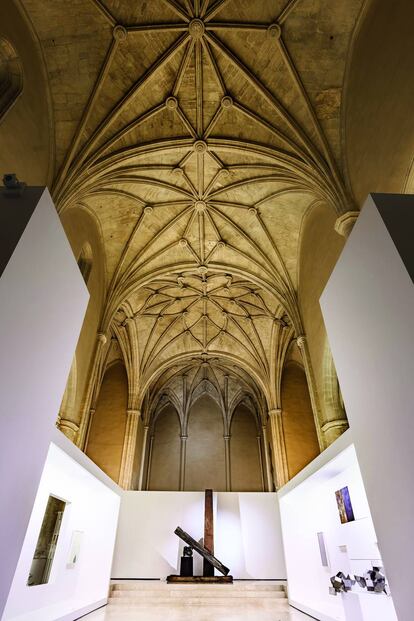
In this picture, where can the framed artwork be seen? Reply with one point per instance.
(343, 500)
(74, 550)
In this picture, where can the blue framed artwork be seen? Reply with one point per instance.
(343, 500)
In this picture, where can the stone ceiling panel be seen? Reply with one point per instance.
(205, 130)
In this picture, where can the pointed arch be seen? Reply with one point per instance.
(11, 76)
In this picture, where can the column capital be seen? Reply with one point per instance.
(102, 338)
(332, 424)
(64, 422)
(133, 412)
(275, 412)
(227, 437)
(345, 223)
(184, 437)
(301, 341)
(69, 428)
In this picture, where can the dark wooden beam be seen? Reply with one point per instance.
(201, 550)
(208, 568)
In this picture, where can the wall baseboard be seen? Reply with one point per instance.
(85, 610)
(313, 614)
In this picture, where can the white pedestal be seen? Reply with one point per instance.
(368, 308)
(368, 607)
(42, 304)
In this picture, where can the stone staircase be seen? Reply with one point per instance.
(250, 594)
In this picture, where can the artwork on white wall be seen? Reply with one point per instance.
(343, 499)
(74, 550)
(322, 550)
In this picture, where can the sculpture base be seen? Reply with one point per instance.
(200, 579)
(186, 567)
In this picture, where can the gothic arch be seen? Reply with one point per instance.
(11, 76)
(85, 261)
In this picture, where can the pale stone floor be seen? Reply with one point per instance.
(194, 613)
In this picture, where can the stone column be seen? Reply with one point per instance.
(228, 463)
(148, 477)
(88, 431)
(327, 431)
(259, 449)
(269, 482)
(183, 451)
(302, 343)
(129, 448)
(345, 223)
(84, 427)
(279, 447)
(68, 427)
(143, 455)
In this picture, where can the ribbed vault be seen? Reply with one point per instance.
(228, 385)
(194, 141)
(207, 135)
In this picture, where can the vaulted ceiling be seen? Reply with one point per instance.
(199, 132)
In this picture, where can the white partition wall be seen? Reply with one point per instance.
(92, 510)
(247, 534)
(368, 307)
(42, 305)
(309, 513)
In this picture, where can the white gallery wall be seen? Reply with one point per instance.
(308, 506)
(368, 308)
(41, 290)
(247, 533)
(93, 507)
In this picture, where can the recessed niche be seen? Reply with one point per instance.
(47, 542)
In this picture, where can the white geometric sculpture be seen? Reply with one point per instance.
(42, 304)
(368, 308)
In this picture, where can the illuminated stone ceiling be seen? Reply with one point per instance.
(211, 127)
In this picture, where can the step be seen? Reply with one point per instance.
(216, 602)
(162, 586)
(173, 594)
